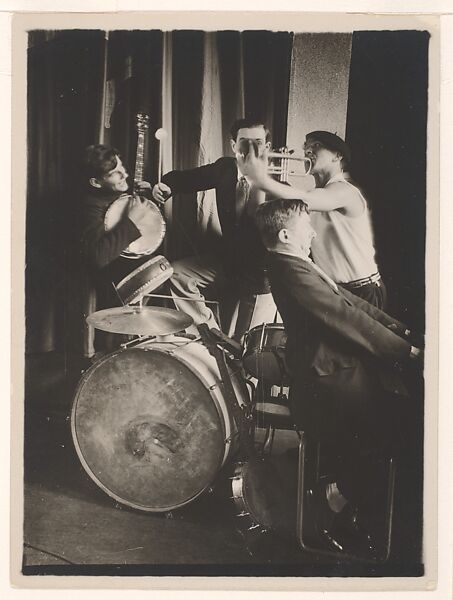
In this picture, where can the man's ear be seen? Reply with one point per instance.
(233, 145)
(268, 145)
(283, 236)
(95, 182)
(337, 157)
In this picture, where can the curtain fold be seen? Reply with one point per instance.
(211, 137)
(63, 112)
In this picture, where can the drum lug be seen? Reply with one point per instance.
(243, 514)
(253, 527)
(169, 515)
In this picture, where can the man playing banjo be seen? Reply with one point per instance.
(105, 178)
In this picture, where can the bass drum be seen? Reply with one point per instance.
(150, 424)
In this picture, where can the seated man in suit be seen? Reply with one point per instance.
(343, 356)
(239, 260)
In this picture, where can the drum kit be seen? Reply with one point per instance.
(153, 423)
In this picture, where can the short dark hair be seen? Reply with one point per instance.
(247, 123)
(98, 160)
(273, 216)
(334, 143)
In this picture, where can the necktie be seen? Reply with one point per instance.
(242, 193)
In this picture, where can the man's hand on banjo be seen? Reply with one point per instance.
(161, 192)
(137, 209)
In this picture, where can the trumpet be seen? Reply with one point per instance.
(283, 169)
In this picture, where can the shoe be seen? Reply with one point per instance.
(341, 532)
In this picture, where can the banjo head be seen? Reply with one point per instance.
(152, 227)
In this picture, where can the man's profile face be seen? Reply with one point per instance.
(320, 156)
(256, 134)
(115, 180)
(300, 231)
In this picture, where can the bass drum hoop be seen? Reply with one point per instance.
(225, 419)
(113, 216)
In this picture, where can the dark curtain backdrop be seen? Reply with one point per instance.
(134, 69)
(266, 58)
(64, 79)
(386, 129)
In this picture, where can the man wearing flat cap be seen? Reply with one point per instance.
(344, 246)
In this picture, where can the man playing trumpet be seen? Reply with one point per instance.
(344, 246)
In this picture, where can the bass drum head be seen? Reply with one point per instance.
(147, 430)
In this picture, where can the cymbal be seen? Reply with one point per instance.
(135, 320)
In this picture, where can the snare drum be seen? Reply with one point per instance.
(150, 423)
(143, 280)
(264, 353)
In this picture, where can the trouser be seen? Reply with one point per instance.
(358, 424)
(374, 293)
(195, 274)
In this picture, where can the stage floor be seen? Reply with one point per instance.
(72, 527)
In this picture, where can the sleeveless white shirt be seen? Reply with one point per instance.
(344, 246)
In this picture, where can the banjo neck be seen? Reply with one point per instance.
(142, 126)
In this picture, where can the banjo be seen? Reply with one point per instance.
(152, 228)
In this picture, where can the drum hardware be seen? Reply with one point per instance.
(239, 485)
(212, 343)
(152, 228)
(213, 303)
(137, 340)
(133, 320)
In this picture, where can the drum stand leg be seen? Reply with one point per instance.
(268, 440)
(301, 496)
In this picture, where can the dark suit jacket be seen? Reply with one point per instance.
(329, 330)
(222, 176)
(241, 248)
